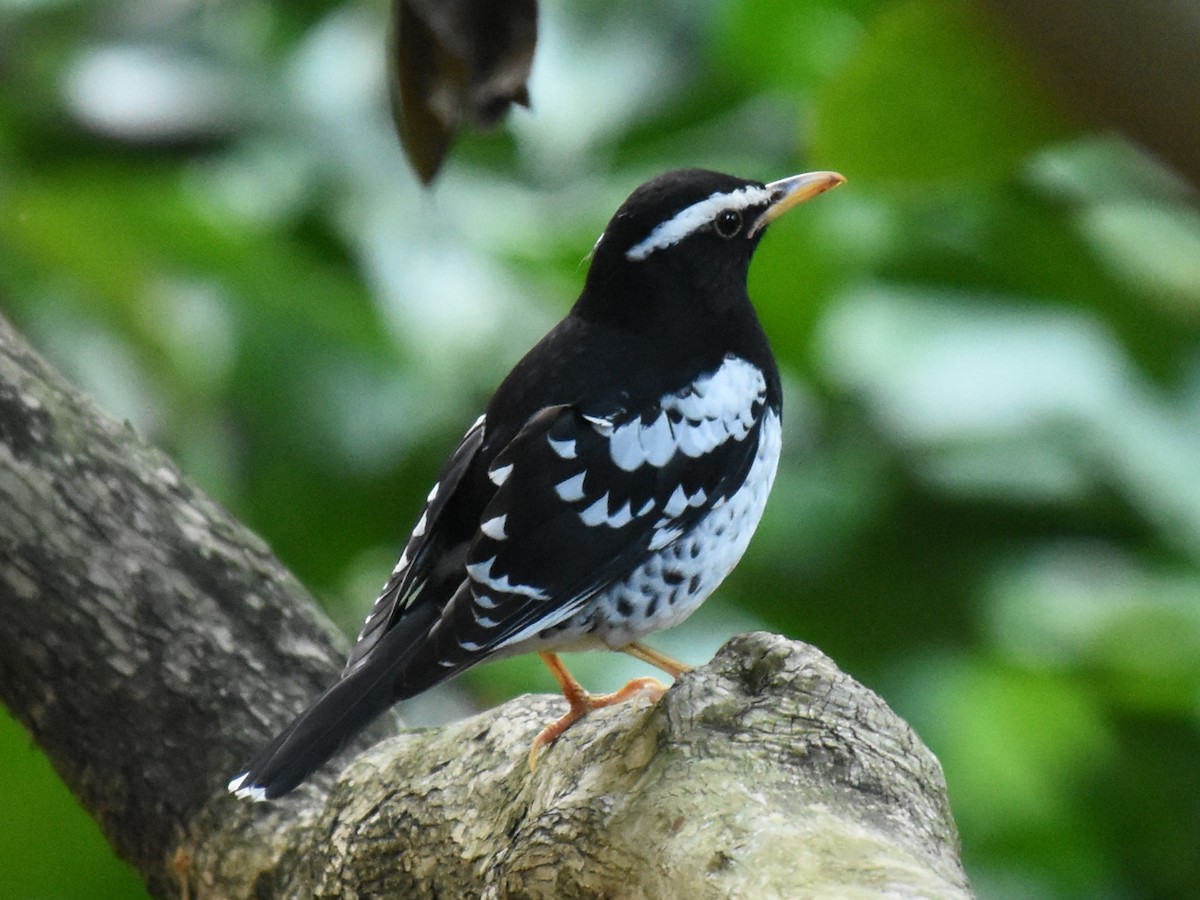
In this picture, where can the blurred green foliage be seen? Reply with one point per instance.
(989, 508)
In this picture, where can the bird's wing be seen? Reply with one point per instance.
(584, 496)
(423, 551)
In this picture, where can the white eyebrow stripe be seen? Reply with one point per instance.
(692, 218)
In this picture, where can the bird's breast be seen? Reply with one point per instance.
(670, 585)
(675, 579)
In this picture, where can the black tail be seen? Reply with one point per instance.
(398, 667)
(319, 732)
(404, 662)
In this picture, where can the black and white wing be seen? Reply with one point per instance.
(585, 494)
(394, 635)
(430, 547)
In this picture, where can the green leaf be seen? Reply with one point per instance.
(933, 93)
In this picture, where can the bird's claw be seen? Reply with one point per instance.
(583, 703)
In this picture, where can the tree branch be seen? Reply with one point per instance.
(150, 643)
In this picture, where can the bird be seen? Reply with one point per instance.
(613, 481)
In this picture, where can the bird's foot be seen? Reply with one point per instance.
(582, 703)
(668, 664)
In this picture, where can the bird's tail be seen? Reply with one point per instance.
(317, 733)
(397, 668)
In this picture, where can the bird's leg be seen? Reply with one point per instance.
(582, 703)
(672, 667)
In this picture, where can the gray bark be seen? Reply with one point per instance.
(150, 643)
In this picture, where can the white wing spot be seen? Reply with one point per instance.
(596, 513)
(565, 449)
(500, 474)
(422, 524)
(481, 573)
(658, 443)
(664, 536)
(634, 444)
(689, 403)
(676, 504)
(717, 406)
(602, 425)
(621, 517)
(255, 793)
(572, 489)
(689, 440)
(401, 565)
(626, 447)
(433, 492)
(484, 621)
(494, 528)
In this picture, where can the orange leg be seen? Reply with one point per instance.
(672, 667)
(582, 703)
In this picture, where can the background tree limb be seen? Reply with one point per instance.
(150, 643)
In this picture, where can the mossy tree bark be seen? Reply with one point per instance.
(150, 643)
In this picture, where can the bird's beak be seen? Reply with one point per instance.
(789, 192)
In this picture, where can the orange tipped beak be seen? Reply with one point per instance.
(790, 192)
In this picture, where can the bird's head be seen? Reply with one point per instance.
(688, 236)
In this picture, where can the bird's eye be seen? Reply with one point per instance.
(728, 223)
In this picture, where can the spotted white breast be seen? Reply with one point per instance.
(684, 569)
(672, 583)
